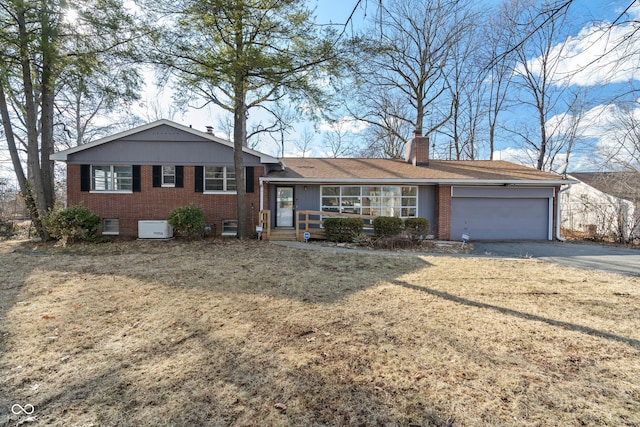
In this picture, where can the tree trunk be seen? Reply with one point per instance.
(46, 118)
(35, 189)
(239, 141)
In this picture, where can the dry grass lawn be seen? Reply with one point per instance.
(231, 333)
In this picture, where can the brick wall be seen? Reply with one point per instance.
(155, 203)
(443, 212)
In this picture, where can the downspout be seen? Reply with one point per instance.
(261, 181)
(558, 221)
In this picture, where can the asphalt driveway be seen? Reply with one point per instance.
(579, 255)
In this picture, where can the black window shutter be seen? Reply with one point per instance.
(179, 176)
(136, 178)
(199, 179)
(249, 179)
(157, 176)
(85, 177)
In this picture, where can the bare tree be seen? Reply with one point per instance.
(403, 59)
(464, 77)
(536, 74)
(387, 139)
(621, 149)
(498, 39)
(304, 142)
(338, 139)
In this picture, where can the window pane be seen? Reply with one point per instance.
(214, 172)
(101, 178)
(168, 175)
(351, 201)
(390, 211)
(330, 201)
(371, 191)
(214, 178)
(409, 201)
(123, 178)
(330, 191)
(213, 185)
(391, 191)
(231, 179)
(391, 201)
(351, 210)
(350, 191)
(110, 226)
(409, 191)
(408, 212)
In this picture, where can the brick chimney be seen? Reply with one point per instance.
(210, 130)
(418, 150)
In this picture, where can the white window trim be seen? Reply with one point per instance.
(224, 182)
(111, 192)
(162, 183)
(341, 208)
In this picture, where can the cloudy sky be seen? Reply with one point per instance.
(604, 63)
(581, 64)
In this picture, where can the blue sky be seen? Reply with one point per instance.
(597, 129)
(596, 126)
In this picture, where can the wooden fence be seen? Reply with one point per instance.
(311, 221)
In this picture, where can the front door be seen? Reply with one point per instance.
(284, 207)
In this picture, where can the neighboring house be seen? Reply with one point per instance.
(144, 173)
(603, 204)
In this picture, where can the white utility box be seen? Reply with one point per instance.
(154, 230)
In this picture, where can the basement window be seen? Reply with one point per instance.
(110, 226)
(229, 227)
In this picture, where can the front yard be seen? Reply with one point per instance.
(248, 333)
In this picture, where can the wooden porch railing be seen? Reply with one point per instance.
(264, 221)
(305, 219)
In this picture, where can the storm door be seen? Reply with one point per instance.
(284, 207)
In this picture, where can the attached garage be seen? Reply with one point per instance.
(502, 213)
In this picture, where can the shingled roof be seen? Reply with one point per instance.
(387, 170)
(625, 185)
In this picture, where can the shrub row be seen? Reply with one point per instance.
(348, 229)
(79, 224)
(342, 229)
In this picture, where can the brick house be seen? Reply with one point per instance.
(144, 173)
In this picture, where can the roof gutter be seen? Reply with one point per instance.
(408, 181)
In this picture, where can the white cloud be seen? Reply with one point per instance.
(343, 124)
(599, 54)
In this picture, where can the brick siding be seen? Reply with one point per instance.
(155, 203)
(443, 212)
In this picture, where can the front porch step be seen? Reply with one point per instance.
(283, 235)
